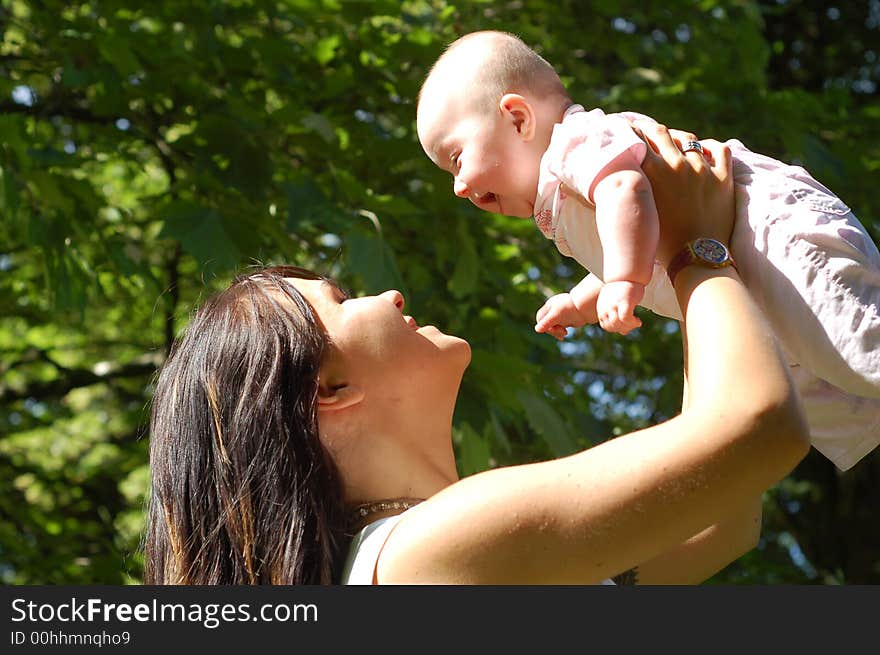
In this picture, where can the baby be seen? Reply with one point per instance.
(496, 115)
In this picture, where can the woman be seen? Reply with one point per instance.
(290, 417)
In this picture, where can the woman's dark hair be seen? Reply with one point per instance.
(242, 491)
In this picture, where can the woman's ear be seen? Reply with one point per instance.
(338, 396)
(336, 390)
(517, 109)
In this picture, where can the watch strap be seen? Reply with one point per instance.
(687, 256)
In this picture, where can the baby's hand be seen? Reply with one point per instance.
(559, 313)
(616, 306)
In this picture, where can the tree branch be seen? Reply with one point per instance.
(50, 109)
(76, 378)
(43, 110)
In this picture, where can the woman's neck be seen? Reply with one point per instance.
(410, 459)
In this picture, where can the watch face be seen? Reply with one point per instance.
(710, 250)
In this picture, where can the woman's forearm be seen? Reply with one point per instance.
(748, 377)
(707, 552)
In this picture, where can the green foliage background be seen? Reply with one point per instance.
(149, 150)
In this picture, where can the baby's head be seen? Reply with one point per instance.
(485, 114)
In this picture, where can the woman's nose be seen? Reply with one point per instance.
(461, 189)
(394, 297)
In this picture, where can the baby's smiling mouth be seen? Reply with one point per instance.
(411, 322)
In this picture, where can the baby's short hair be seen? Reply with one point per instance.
(506, 65)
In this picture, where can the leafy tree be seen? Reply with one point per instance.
(149, 150)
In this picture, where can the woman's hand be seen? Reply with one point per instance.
(693, 191)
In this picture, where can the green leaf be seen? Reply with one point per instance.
(307, 205)
(320, 125)
(67, 277)
(473, 450)
(116, 251)
(421, 36)
(48, 188)
(247, 166)
(201, 232)
(467, 264)
(9, 197)
(501, 367)
(547, 423)
(326, 49)
(505, 251)
(13, 135)
(499, 433)
(116, 51)
(395, 205)
(351, 186)
(369, 256)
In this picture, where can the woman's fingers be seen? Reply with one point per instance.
(719, 157)
(660, 140)
(681, 137)
(693, 191)
(722, 205)
(698, 158)
(669, 144)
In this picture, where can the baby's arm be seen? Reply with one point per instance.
(572, 309)
(626, 219)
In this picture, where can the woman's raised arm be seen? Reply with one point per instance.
(584, 518)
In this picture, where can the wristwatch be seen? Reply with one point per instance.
(703, 252)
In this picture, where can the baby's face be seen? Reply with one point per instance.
(491, 164)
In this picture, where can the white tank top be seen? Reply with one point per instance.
(364, 550)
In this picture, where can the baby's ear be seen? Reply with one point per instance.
(519, 112)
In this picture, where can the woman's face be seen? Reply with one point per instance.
(380, 346)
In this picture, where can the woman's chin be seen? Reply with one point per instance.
(454, 346)
(464, 349)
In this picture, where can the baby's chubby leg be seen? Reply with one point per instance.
(816, 273)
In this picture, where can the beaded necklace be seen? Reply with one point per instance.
(359, 514)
